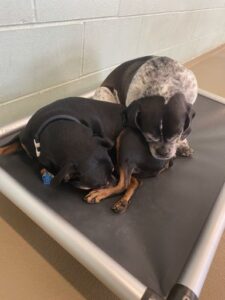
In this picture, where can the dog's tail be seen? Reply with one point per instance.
(11, 146)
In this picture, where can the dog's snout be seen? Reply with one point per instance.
(163, 151)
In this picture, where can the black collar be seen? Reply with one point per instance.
(37, 144)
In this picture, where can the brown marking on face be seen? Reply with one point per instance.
(122, 204)
(15, 147)
(96, 196)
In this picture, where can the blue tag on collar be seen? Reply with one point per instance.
(47, 178)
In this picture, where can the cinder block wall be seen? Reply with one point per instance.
(53, 48)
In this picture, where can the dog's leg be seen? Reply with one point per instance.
(96, 196)
(184, 149)
(122, 204)
(168, 165)
(9, 149)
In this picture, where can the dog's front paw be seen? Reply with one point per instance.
(184, 151)
(96, 196)
(120, 206)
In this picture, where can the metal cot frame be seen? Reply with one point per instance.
(108, 271)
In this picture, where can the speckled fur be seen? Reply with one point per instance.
(184, 149)
(165, 77)
(104, 94)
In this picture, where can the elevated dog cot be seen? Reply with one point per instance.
(163, 246)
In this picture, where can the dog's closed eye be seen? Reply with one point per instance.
(173, 138)
(151, 138)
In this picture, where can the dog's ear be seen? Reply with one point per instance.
(99, 135)
(64, 174)
(133, 112)
(105, 142)
(187, 125)
(96, 127)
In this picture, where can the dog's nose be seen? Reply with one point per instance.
(163, 151)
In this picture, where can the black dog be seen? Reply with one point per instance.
(134, 162)
(71, 138)
(159, 93)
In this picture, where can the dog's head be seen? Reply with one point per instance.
(162, 123)
(94, 171)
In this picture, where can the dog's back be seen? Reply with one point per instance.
(165, 77)
(148, 76)
(101, 117)
(118, 81)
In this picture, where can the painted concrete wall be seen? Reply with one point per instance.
(52, 49)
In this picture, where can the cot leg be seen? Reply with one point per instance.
(181, 292)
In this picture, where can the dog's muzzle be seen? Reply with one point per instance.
(162, 152)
